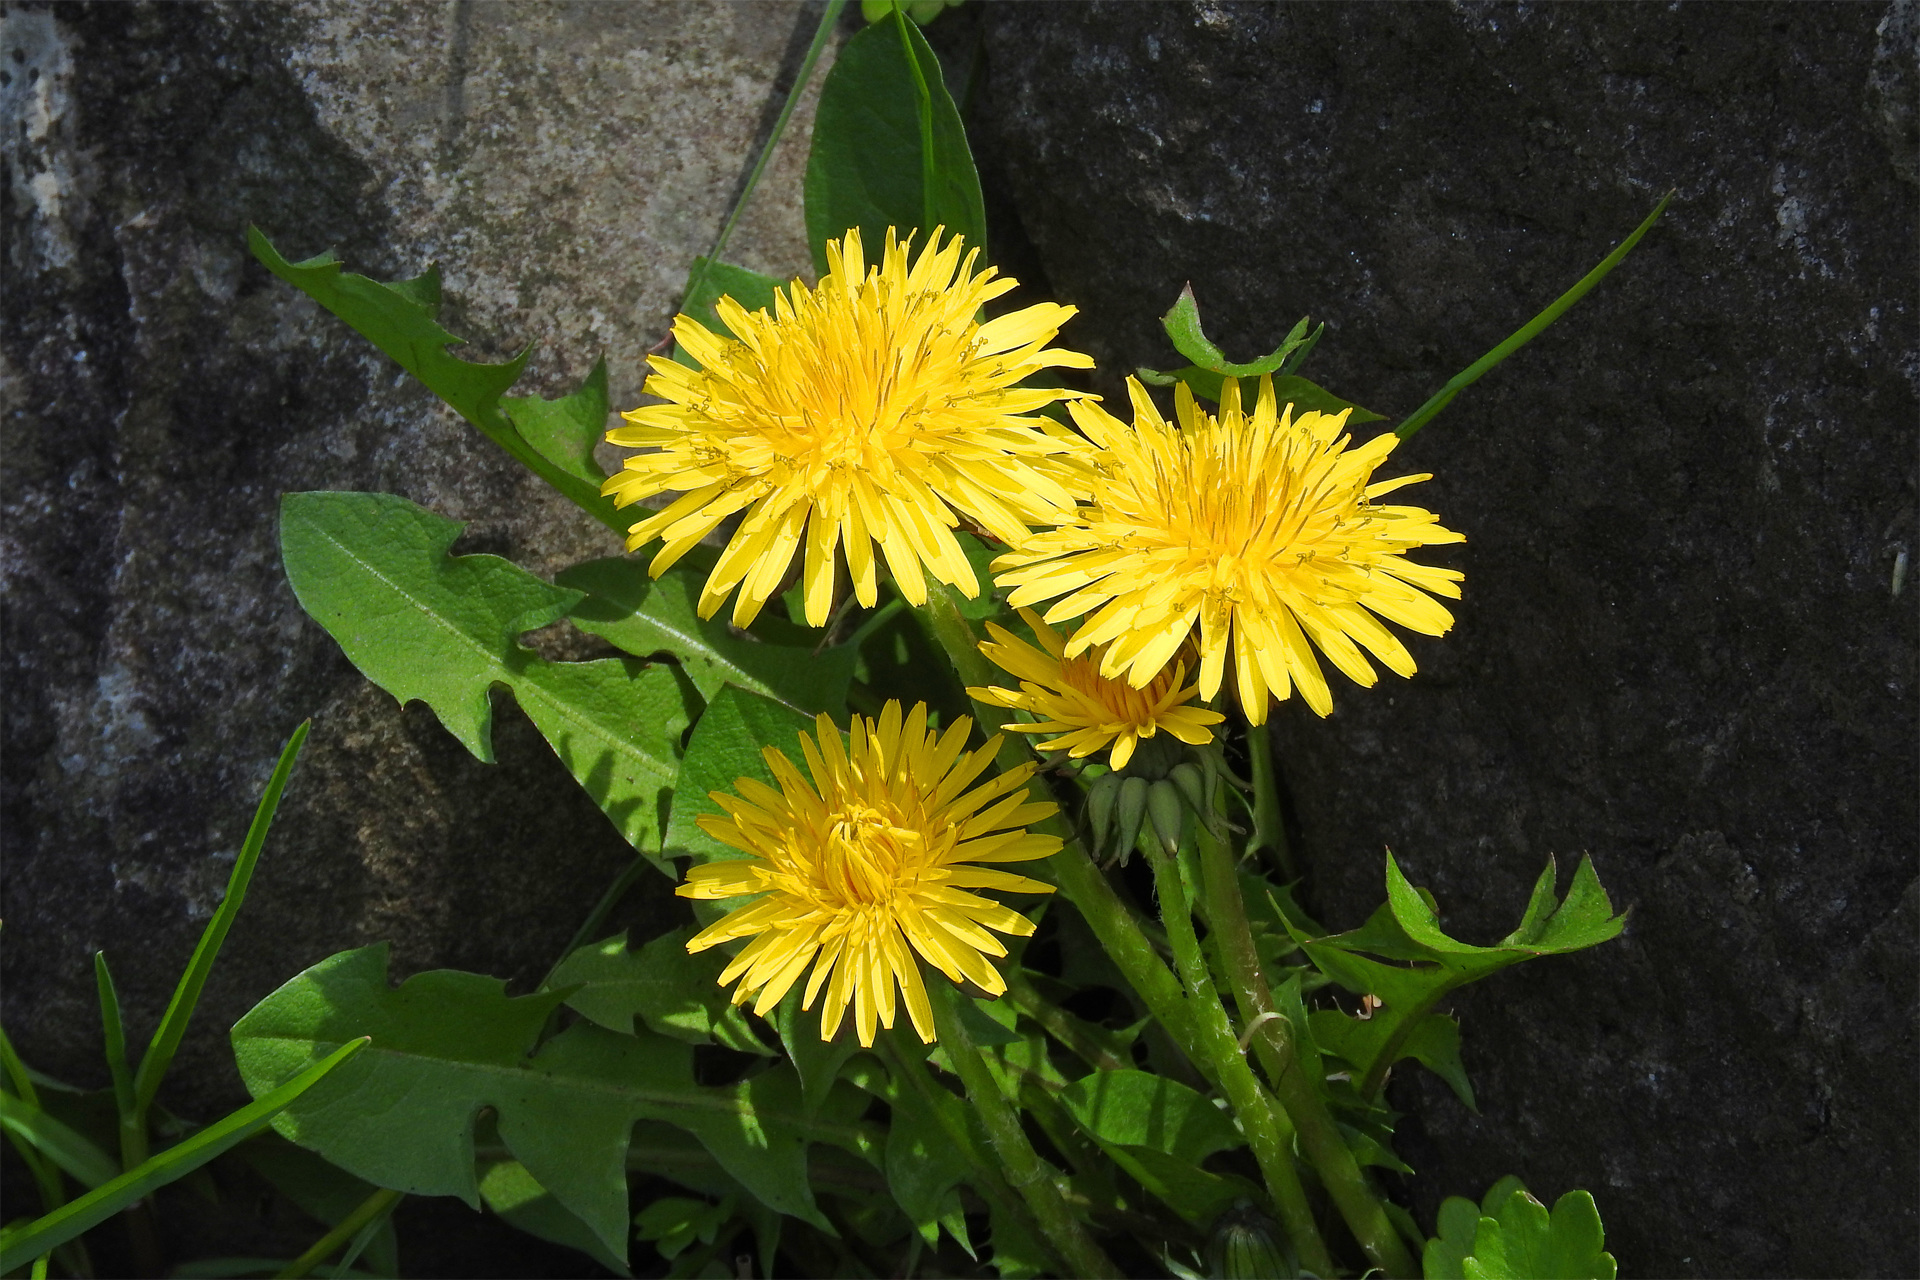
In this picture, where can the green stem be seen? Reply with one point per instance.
(1527, 332)
(1119, 933)
(1028, 1174)
(1269, 826)
(1319, 1137)
(364, 1213)
(1257, 1115)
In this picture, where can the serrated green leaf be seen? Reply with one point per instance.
(1304, 396)
(626, 607)
(448, 1044)
(373, 569)
(513, 1193)
(1197, 1195)
(870, 166)
(565, 431)
(1182, 324)
(1017, 1255)
(400, 319)
(674, 993)
(1434, 1042)
(925, 1167)
(818, 1061)
(726, 745)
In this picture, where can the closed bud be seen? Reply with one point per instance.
(1133, 811)
(1192, 784)
(1248, 1245)
(1169, 813)
(1101, 798)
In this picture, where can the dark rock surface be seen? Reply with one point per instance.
(1683, 647)
(162, 391)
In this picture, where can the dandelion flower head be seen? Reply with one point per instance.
(873, 410)
(1090, 712)
(1263, 531)
(867, 864)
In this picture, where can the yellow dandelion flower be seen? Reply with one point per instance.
(867, 860)
(1264, 529)
(872, 409)
(1090, 711)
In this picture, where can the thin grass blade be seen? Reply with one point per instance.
(70, 1150)
(166, 1040)
(20, 1245)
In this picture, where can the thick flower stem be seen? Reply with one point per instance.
(1319, 1136)
(1079, 879)
(1025, 1170)
(1269, 827)
(1229, 1066)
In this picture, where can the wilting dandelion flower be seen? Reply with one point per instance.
(1262, 530)
(873, 409)
(867, 864)
(1089, 711)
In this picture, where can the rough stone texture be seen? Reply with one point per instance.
(1682, 647)
(564, 163)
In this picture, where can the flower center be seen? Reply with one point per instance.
(867, 857)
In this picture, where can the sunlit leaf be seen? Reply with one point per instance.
(672, 992)
(374, 570)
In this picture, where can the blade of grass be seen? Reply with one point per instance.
(57, 1142)
(362, 1222)
(1472, 373)
(133, 1133)
(20, 1245)
(800, 81)
(166, 1040)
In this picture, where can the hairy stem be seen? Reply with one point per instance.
(1029, 1175)
(1319, 1136)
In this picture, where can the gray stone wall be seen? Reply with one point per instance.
(1684, 647)
(564, 164)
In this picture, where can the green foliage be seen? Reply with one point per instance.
(670, 991)
(888, 147)
(1206, 376)
(374, 570)
(726, 745)
(708, 283)
(447, 1044)
(564, 431)
(1511, 1236)
(1402, 958)
(323, 1191)
(647, 618)
(23, 1243)
(402, 320)
(510, 1191)
(1159, 1131)
(60, 1143)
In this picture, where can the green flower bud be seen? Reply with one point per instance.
(1133, 810)
(1192, 783)
(1102, 796)
(1169, 813)
(1248, 1245)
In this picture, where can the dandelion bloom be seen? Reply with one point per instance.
(1089, 711)
(867, 859)
(1262, 530)
(872, 409)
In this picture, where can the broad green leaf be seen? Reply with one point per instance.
(674, 993)
(1137, 1108)
(1197, 1195)
(1434, 1042)
(373, 569)
(925, 1167)
(1513, 1237)
(671, 1223)
(447, 1044)
(22, 1243)
(66, 1147)
(818, 1061)
(1017, 1253)
(710, 281)
(564, 431)
(186, 994)
(726, 745)
(626, 607)
(870, 166)
(401, 320)
(510, 1191)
